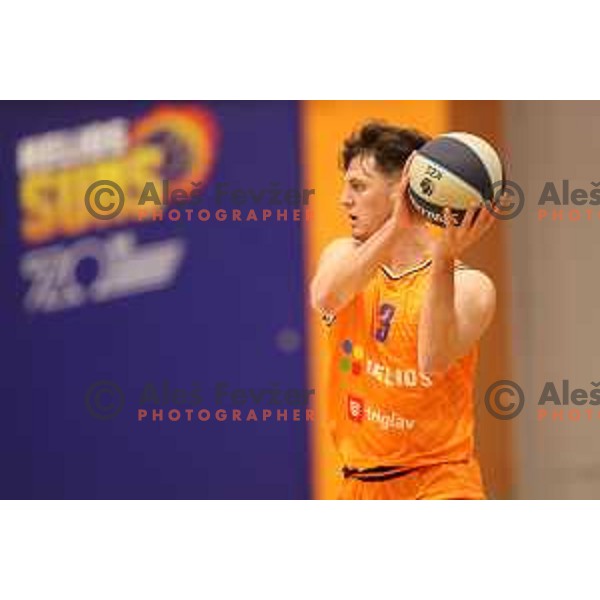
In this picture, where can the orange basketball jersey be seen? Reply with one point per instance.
(381, 409)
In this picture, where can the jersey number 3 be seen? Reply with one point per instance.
(386, 314)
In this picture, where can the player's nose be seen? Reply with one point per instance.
(346, 200)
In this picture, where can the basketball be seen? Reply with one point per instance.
(459, 170)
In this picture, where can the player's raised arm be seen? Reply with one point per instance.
(347, 264)
(459, 304)
(373, 200)
(345, 267)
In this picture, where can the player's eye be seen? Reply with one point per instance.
(358, 186)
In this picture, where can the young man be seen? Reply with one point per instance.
(403, 317)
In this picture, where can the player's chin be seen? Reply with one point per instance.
(360, 235)
(360, 232)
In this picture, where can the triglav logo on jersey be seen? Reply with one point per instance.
(355, 361)
(359, 411)
(356, 409)
(72, 258)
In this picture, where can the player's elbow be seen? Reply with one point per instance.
(435, 358)
(320, 298)
(433, 363)
(323, 302)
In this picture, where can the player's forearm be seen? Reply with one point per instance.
(438, 322)
(334, 287)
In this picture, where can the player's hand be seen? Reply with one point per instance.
(402, 214)
(457, 238)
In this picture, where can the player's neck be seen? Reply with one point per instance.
(410, 249)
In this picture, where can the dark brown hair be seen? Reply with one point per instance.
(390, 146)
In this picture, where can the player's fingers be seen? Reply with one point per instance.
(402, 213)
(483, 222)
(503, 200)
(468, 219)
(487, 221)
(401, 188)
(407, 165)
(449, 222)
(445, 218)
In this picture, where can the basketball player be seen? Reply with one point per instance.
(404, 317)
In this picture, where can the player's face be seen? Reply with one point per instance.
(366, 197)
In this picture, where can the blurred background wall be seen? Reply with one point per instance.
(555, 294)
(155, 313)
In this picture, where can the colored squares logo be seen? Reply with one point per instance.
(352, 358)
